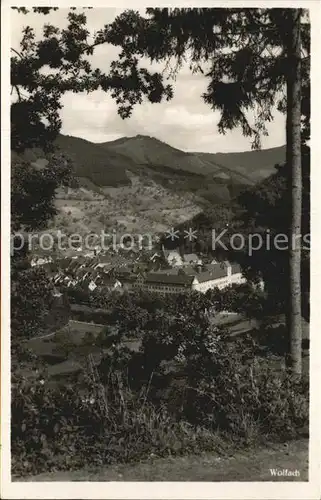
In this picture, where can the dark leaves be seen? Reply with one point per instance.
(243, 47)
(33, 190)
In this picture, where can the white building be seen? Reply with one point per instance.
(218, 275)
(40, 261)
(191, 259)
(173, 258)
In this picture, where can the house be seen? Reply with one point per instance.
(128, 279)
(65, 263)
(172, 257)
(90, 280)
(92, 285)
(110, 283)
(104, 261)
(155, 257)
(191, 259)
(38, 260)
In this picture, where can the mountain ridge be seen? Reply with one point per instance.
(213, 177)
(141, 184)
(152, 152)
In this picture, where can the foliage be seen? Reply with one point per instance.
(244, 299)
(31, 297)
(35, 114)
(71, 427)
(205, 386)
(33, 189)
(242, 52)
(266, 210)
(222, 384)
(187, 382)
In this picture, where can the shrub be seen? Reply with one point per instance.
(224, 383)
(62, 428)
(228, 388)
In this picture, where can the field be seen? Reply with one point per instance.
(58, 365)
(137, 208)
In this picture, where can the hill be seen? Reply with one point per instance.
(244, 168)
(215, 178)
(142, 184)
(108, 164)
(93, 163)
(255, 164)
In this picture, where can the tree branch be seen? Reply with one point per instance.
(16, 52)
(18, 92)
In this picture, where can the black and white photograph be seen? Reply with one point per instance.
(155, 251)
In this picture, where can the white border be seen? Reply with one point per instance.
(166, 490)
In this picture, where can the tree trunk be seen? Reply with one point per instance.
(293, 158)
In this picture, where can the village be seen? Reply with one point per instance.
(166, 272)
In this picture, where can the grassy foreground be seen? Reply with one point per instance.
(247, 465)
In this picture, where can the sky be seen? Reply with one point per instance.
(185, 122)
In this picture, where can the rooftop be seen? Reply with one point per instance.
(169, 279)
(190, 258)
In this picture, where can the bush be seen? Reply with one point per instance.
(62, 428)
(225, 384)
(211, 381)
(249, 403)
